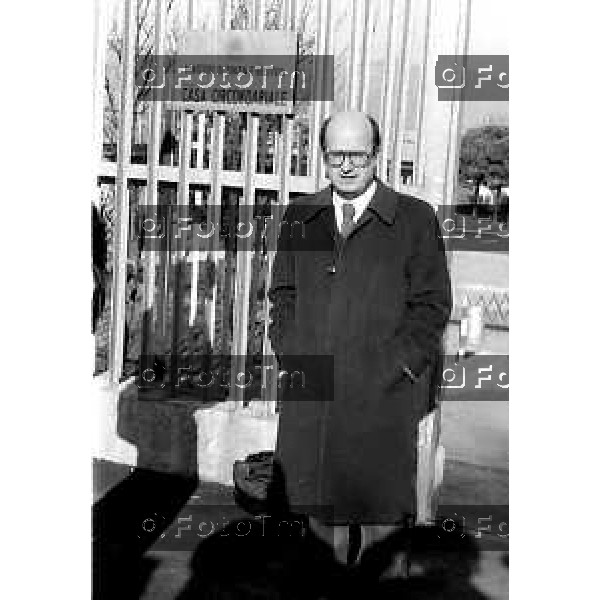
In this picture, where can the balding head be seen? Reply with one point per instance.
(351, 123)
(352, 138)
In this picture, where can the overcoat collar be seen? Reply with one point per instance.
(383, 203)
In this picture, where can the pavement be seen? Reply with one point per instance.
(153, 543)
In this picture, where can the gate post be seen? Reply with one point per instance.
(435, 166)
(117, 325)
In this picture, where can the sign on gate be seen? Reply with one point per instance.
(230, 71)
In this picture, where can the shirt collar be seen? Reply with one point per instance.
(361, 201)
(383, 203)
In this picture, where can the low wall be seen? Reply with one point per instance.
(225, 436)
(176, 436)
(187, 438)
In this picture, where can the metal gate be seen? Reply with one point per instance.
(213, 302)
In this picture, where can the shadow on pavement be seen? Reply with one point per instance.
(302, 567)
(282, 558)
(132, 515)
(126, 522)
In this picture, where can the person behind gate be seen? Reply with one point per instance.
(368, 287)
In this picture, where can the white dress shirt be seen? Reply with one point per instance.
(360, 204)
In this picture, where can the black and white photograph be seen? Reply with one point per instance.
(300, 304)
(285, 371)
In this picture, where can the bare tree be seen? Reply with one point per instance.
(144, 50)
(175, 31)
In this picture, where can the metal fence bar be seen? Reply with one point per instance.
(243, 270)
(327, 51)
(365, 62)
(402, 78)
(186, 120)
(389, 97)
(214, 208)
(117, 332)
(418, 166)
(439, 127)
(179, 329)
(259, 14)
(317, 105)
(195, 256)
(200, 143)
(225, 14)
(288, 10)
(154, 143)
(321, 106)
(269, 387)
(183, 188)
(453, 149)
(356, 41)
(100, 35)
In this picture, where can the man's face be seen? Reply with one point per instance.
(349, 154)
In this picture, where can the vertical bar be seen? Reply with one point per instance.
(438, 143)
(225, 14)
(156, 116)
(290, 22)
(453, 155)
(388, 89)
(216, 257)
(355, 39)
(243, 269)
(286, 154)
(186, 130)
(251, 8)
(216, 162)
(403, 80)
(327, 50)
(319, 74)
(294, 18)
(214, 207)
(183, 188)
(195, 260)
(269, 389)
(122, 199)
(259, 14)
(437, 116)
(100, 33)
(365, 59)
(325, 81)
(418, 167)
(194, 256)
(285, 14)
(200, 143)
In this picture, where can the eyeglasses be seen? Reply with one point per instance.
(356, 159)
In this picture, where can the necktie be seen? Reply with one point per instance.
(348, 223)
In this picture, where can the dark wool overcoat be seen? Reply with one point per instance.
(350, 315)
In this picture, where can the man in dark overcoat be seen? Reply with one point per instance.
(360, 289)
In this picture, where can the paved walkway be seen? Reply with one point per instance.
(225, 564)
